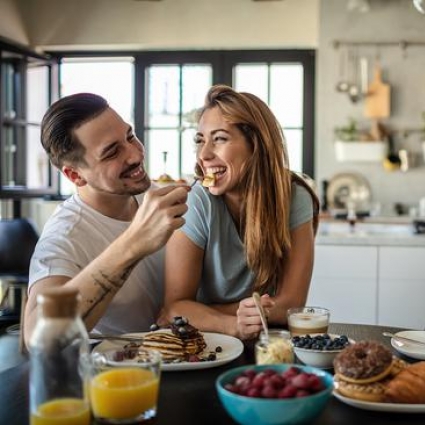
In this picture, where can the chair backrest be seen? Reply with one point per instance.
(18, 238)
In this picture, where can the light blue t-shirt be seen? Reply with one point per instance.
(226, 277)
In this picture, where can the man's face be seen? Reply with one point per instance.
(114, 156)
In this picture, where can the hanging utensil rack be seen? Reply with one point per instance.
(402, 44)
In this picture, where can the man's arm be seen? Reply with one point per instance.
(156, 219)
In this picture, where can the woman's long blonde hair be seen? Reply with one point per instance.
(266, 183)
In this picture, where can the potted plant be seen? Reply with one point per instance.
(355, 145)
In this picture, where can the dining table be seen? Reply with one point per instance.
(190, 397)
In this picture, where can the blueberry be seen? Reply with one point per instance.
(154, 327)
(180, 321)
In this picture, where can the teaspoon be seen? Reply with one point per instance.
(257, 301)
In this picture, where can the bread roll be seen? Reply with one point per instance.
(408, 386)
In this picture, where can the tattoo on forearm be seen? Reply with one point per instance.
(107, 285)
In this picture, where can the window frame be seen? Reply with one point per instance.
(222, 63)
(20, 86)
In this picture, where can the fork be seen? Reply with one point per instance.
(116, 337)
(195, 179)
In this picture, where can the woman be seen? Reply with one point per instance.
(252, 230)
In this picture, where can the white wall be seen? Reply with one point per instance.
(172, 24)
(11, 23)
(388, 20)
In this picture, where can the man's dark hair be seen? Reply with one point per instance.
(60, 122)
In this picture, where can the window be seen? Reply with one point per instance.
(159, 92)
(280, 85)
(95, 75)
(283, 79)
(174, 94)
(26, 92)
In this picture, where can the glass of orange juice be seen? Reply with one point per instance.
(124, 392)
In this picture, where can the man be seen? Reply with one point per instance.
(106, 239)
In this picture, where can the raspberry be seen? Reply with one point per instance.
(289, 373)
(242, 381)
(268, 392)
(301, 381)
(259, 380)
(253, 392)
(250, 373)
(287, 392)
(314, 383)
(270, 384)
(277, 381)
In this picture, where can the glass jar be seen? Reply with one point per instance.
(57, 345)
(276, 349)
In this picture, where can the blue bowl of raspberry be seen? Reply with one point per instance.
(319, 350)
(281, 394)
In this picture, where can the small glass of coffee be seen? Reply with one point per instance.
(308, 320)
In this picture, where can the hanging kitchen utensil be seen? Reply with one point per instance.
(364, 75)
(354, 89)
(377, 101)
(342, 85)
(392, 161)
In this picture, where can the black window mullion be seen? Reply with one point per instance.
(308, 114)
(180, 129)
(140, 98)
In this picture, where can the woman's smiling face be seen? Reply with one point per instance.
(222, 150)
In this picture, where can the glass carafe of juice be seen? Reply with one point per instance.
(57, 345)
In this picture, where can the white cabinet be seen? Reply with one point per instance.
(402, 287)
(345, 281)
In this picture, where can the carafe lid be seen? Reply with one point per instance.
(59, 302)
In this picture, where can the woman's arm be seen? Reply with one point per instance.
(183, 268)
(295, 281)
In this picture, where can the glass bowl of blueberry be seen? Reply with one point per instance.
(319, 350)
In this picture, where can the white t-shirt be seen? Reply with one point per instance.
(75, 235)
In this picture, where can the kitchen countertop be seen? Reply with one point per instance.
(383, 231)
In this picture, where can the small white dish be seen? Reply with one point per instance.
(318, 358)
(415, 351)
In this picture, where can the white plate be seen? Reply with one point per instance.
(381, 407)
(408, 349)
(232, 349)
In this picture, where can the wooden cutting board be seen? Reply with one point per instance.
(377, 101)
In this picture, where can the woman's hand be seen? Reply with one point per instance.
(248, 320)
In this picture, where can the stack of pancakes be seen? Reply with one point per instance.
(176, 344)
